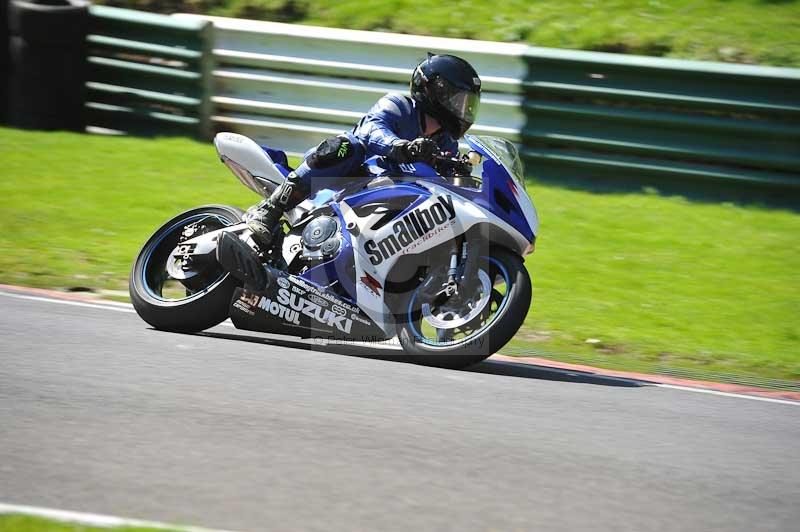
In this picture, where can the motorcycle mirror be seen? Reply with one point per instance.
(474, 158)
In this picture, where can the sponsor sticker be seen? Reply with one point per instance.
(312, 290)
(289, 306)
(371, 283)
(244, 307)
(356, 317)
(249, 299)
(417, 226)
(319, 301)
(279, 309)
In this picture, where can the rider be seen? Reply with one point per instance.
(445, 93)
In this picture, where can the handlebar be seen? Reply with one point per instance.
(458, 165)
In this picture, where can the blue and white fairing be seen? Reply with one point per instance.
(420, 212)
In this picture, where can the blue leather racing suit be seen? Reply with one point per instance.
(393, 118)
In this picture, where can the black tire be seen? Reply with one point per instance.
(49, 22)
(5, 61)
(501, 329)
(197, 312)
(47, 90)
(48, 66)
(44, 64)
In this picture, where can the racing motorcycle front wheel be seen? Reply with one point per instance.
(461, 329)
(198, 302)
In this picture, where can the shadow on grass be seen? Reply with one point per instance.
(487, 367)
(740, 194)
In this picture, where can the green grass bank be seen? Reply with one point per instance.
(660, 279)
(25, 523)
(749, 31)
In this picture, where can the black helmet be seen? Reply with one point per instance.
(449, 89)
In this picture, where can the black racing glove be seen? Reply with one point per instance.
(420, 149)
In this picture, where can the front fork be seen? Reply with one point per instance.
(463, 266)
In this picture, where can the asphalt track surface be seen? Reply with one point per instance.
(99, 413)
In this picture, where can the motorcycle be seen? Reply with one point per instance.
(426, 255)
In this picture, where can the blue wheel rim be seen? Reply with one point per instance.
(155, 246)
(420, 338)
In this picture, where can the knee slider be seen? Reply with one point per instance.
(331, 151)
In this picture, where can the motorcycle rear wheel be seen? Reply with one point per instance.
(509, 292)
(162, 301)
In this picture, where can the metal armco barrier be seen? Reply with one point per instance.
(291, 86)
(149, 74)
(602, 114)
(574, 114)
(582, 114)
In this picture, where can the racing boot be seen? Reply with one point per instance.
(264, 218)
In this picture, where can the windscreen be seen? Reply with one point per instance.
(506, 154)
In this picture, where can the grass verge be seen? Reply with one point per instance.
(751, 31)
(648, 278)
(25, 523)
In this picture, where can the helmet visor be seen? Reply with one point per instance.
(462, 104)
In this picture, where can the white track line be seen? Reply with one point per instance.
(117, 307)
(123, 307)
(729, 394)
(103, 521)
(105, 305)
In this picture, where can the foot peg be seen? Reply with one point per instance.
(241, 261)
